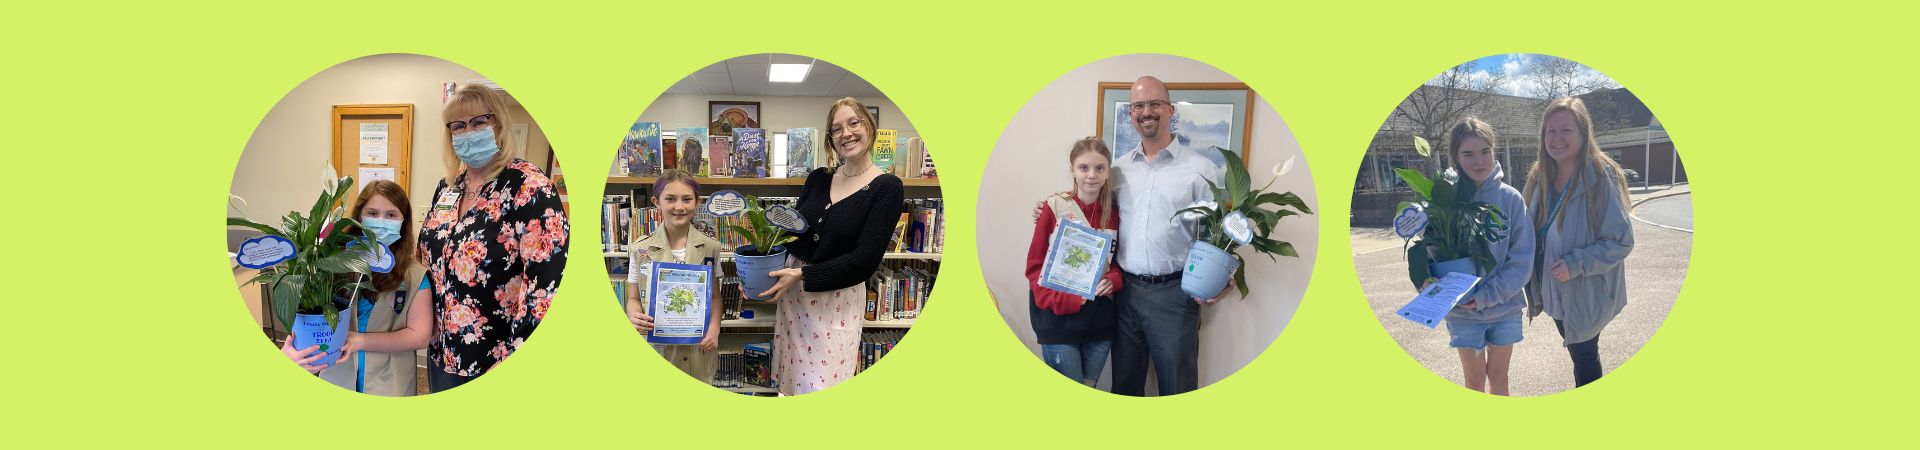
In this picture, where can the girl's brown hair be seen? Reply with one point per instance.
(1589, 156)
(402, 248)
(1469, 126)
(1093, 144)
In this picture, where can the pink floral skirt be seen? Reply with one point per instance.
(816, 336)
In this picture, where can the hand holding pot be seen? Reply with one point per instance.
(1216, 297)
(304, 357)
(788, 278)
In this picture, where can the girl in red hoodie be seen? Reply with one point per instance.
(1075, 334)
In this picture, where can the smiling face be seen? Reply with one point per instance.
(1475, 158)
(1089, 175)
(677, 202)
(1561, 137)
(1150, 107)
(850, 134)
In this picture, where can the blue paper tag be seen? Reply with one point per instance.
(264, 251)
(380, 259)
(1411, 221)
(786, 218)
(726, 203)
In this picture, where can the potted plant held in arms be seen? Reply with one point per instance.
(308, 263)
(1447, 229)
(765, 251)
(1237, 216)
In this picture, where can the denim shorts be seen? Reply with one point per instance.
(1476, 336)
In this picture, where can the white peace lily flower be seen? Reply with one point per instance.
(1283, 167)
(1239, 228)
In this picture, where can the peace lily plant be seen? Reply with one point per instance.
(1237, 216)
(1447, 230)
(764, 253)
(322, 266)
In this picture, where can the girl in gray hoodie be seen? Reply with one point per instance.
(1485, 326)
(1578, 197)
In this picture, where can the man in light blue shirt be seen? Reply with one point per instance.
(1158, 321)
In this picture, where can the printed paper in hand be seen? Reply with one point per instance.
(1077, 259)
(679, 299)
(1433, 304)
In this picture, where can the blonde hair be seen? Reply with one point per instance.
(478, 99)
(1590, 156)
(859, 112)
(1093, 144)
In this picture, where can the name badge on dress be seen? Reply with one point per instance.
(447, 201)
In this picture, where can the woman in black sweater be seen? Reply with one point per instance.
(851, 210)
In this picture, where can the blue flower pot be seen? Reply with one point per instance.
(1208, 269)
(753, 270)
(311, 329)
(1441, 269)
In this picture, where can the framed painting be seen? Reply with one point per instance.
(1205, 115)
(724, 116)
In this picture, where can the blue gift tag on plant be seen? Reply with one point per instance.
(1411, 221)
(726, 203)
(786, 218)
(264, 251)
(380, 259)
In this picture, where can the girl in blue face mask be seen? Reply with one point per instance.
(388, 322)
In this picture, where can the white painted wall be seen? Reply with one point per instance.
(1029, 162)
(280, 169)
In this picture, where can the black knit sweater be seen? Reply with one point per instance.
(844, 243)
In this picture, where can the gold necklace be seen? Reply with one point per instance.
(861, 172)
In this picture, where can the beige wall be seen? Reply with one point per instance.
(281, 168)
(1029, 162)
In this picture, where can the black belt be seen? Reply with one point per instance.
(1155, 278)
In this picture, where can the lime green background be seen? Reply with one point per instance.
(124, 123)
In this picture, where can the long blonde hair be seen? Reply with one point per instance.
(1540, 177)
(1094, 144)
(474, 97)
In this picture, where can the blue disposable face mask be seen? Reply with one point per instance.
(387, 231)
(476, 148)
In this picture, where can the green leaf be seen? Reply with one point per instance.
(286, 297)
(1421, 146)
(263, 228)
(1240, 275)
(1417, 264)
(352, 260)
(1287, 199)
(1417, 181)
(1238, 181)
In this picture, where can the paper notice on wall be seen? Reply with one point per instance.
(368, 174)
(373, 143)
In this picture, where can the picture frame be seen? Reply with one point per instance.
(1222, 110)
(875, 112)
(723, 116)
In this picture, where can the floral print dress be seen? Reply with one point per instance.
(494, 268)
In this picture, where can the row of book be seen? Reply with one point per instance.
(751, 364)
(746, 153)
(875, 345)
(899, 293)
(635, 223)
(922, 227)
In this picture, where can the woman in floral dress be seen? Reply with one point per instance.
(493, 243)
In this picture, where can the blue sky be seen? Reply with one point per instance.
(1515, 66)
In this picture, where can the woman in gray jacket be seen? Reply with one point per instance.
(1485, 326)
(1578, 197)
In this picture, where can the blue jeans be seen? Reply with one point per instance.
(1080, 362)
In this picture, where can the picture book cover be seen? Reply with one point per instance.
(693, 153)
(641, 149)
(884, 146)
(750, 152)
(719, 154)
(800, 148)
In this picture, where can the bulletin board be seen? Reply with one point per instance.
(373, 142)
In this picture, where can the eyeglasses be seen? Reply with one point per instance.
(837, 131)
(476, 122)
(1142, 106)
